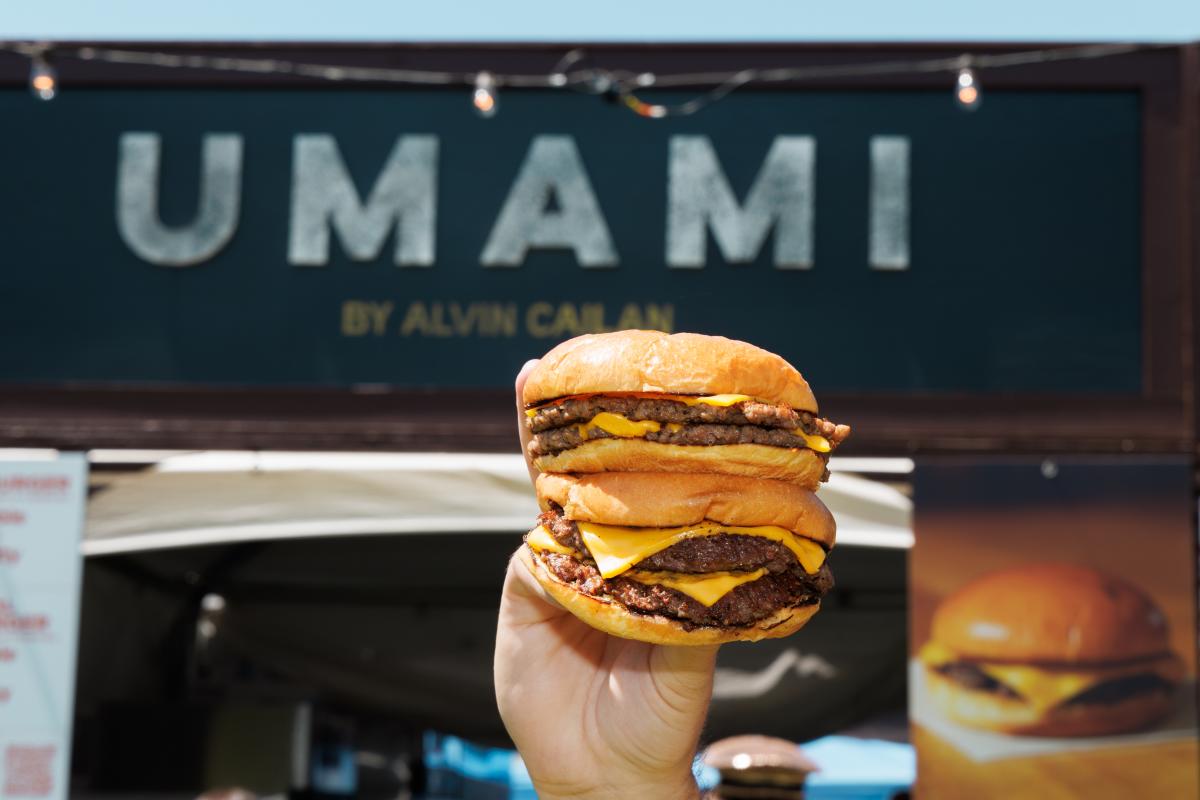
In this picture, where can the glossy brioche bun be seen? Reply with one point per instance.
(677, 363)
(615, 619)
(993, 712)
(1051, 614)
(671, 499)
(798, 465)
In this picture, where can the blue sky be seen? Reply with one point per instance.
(614, 20)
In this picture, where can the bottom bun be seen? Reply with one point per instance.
(615, 619)
(991, 712)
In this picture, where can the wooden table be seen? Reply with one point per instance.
(1166, 771)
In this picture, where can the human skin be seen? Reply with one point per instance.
(595, 717)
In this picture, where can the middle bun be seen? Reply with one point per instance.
(673, 499)
(799, 465)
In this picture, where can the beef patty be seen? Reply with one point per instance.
(1110, 692)
(1118, 689)
(970, 676)
(744, 605)
(748, 422)
(558, 439)
(722, 552)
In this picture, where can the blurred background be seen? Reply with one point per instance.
(268, 273)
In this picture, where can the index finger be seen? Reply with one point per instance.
(522, 422)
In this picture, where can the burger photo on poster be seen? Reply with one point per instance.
(677, 487)
(1050, 649)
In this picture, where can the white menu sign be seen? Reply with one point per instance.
(41, 521)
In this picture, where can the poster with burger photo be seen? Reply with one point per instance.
(1053, 629)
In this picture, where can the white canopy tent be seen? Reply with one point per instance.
(373, 580)
(190, 499)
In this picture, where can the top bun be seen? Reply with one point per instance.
(1052, 614)
(672, 499)
(677, 363)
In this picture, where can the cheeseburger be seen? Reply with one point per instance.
(681, 558)
(1051, 650)
(643, 401)
(759, 768)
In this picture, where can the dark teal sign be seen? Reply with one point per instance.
(883, 242)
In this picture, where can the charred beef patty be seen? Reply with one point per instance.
(581, 409)
(1111, 692)
(970, 676)
(747, 422)
(1118, 689)
(723, 552)
(744, 605)
(558, 439)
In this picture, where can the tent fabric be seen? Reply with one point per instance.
(168, 506)
(317, 594)
(204, 499)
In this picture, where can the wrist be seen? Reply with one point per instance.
(685, 789)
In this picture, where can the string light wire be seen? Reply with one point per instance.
(566, 75)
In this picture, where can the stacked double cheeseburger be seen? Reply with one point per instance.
(677, 486)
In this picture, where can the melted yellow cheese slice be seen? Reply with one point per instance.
(617, 548)
(1047, 687)
(818, 443)
(722, 400)
(540, 539)
(707, 588)
(618, 425)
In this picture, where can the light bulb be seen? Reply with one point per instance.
(966, 90)
(43, 79)
(212, 603)
(643, 109)
(484, 98)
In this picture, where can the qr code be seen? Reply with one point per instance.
(28, 771)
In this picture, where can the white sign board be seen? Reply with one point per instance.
(41, 521)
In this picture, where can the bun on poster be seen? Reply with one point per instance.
(640, 401)
(681, 558)
(1051, 650)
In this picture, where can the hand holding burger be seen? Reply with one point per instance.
(676, 485)
(595, 717)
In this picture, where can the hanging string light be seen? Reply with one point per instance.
(966, 90)
(558, 75)
(642, 108)
(619, 86)
(43, 79)
(484, 97)
(600, 82)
